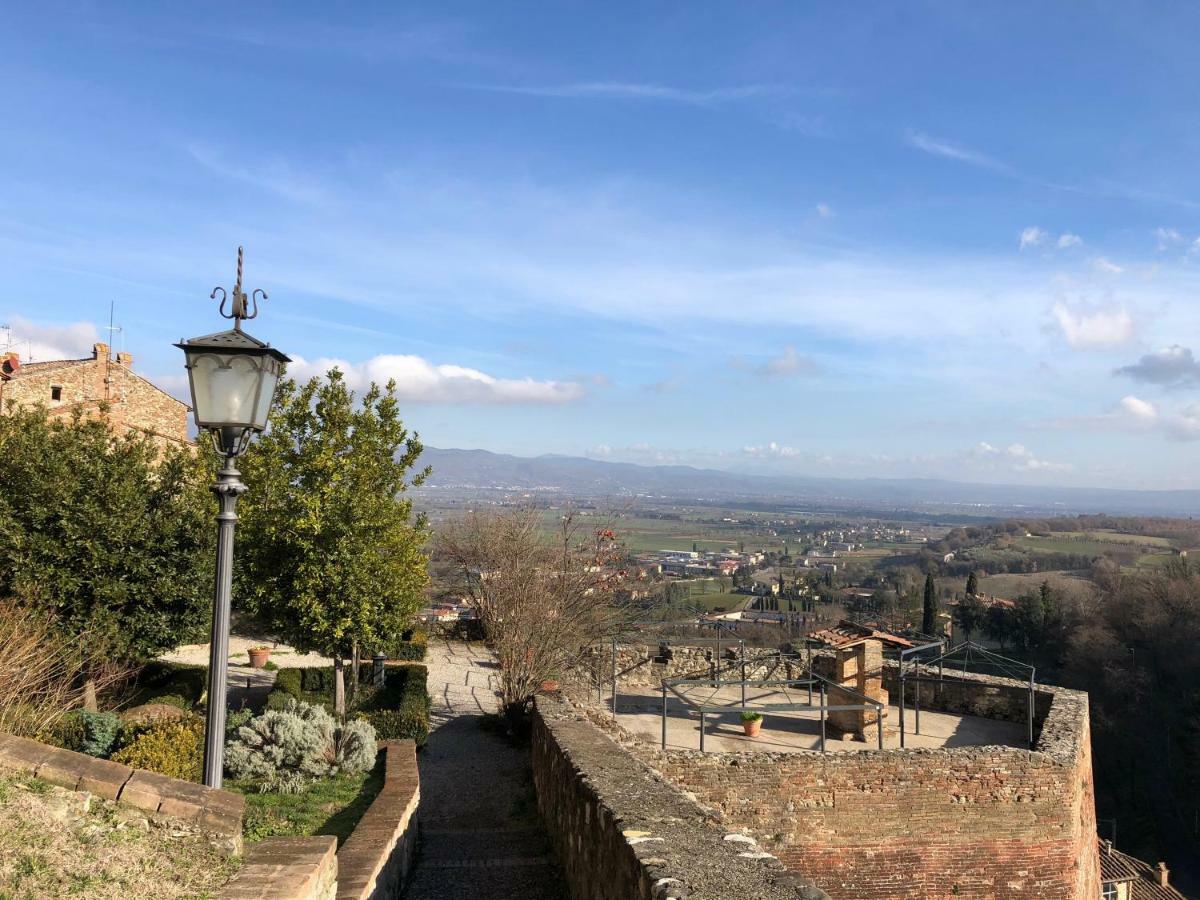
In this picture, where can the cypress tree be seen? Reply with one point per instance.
(930, 607)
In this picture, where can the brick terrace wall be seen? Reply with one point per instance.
(983, 822)
(214, 813)
(134, 402)
(623, 834)
(376, 859)
(281, 868)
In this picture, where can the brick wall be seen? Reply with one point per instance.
(983, 822)
(623, 834)
(133, 402)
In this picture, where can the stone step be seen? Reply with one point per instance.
(440, 845)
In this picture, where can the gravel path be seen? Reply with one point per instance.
(480, 833)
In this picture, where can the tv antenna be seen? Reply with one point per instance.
(114, 329)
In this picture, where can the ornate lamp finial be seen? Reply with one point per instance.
(241, 306)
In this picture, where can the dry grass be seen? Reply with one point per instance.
(51, 846)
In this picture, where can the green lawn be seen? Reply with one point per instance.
(329, 806)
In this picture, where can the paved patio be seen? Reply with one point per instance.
(640, 712)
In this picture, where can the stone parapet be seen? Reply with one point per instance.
(286, 868)
(214, 813)
(376, 859)
(622, 833)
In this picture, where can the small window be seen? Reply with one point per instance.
(56, 392)
(1108, 891)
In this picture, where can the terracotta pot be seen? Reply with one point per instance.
(259, 656)
(752, 728)
(549, 686)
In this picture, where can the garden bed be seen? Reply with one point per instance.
(331, 806)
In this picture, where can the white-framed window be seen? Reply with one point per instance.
(1108, 891)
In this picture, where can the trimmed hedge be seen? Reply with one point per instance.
(171, 747)
(401, 708)
(181, 685)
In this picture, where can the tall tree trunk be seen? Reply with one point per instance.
(354, 653)
(339, 687)
(89, 696)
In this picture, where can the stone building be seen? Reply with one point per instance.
(96, 386)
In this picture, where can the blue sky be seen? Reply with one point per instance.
(925, 239)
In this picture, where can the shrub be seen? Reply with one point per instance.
(171, 680)
(236, 719)
(288, 681)
(174, 748)
(401, 708)
(316, 680)
(277, 701)
(68, 732)
(99, 732)
(411, 651)
(282, 750)
(171, 700)
(356, 747)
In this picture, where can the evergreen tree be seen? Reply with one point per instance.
(331, 554)
(969, 615)
(929, 609)
(972, 585)
(109, 534)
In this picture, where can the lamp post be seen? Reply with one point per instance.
(232, 377)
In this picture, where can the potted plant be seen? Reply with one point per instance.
(751, 723)
(259, 656)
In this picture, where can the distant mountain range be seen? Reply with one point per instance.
(577, 477)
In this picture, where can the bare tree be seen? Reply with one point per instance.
(543, 595)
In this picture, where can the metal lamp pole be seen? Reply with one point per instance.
(233, 378)
(228, 488)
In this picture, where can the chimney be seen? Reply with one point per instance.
(1162, 875)
(125, 359)
(100, 351)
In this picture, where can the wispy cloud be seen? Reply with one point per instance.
(275, 176)
(1016, 457)
(627, 90)
(787, 364)
(936, 146)
(1133, 414)
(1067, 240)
(1107, 266)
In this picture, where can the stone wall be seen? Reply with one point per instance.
(376, 859)
(638, 665)
(133, 402)
(214, 813)
(984, 822)
(623, 834)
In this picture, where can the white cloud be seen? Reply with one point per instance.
(38, 343)
(420, 381)
(1016, 457)
(785, 365)
(771, 450)
(1100, 264)
(1032, 237)
(1086, 328)
(824, 210)
(1066, 239)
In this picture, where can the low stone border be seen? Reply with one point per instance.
(286, 868)
(622, 833)
(374, 862)
(214, 813)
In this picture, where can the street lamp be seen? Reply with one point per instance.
(232, 377)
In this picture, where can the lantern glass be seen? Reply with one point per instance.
(233, 378)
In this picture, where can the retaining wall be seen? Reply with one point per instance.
(621, 833)
(983, 822)
(214, 813)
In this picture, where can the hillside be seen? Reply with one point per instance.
(464, 470)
